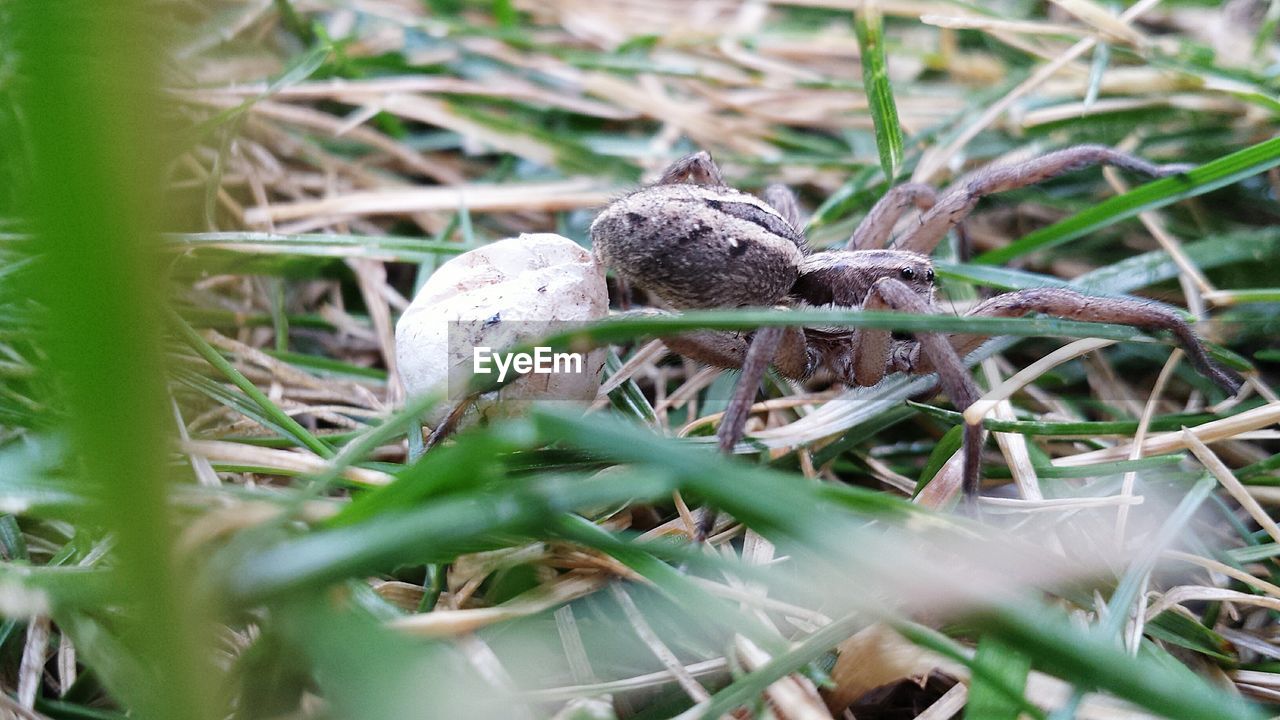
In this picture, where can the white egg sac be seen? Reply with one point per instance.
(498, 296)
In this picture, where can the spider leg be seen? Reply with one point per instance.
(964, 243)
(876, 347)
(697, 168)
(781, 198)
(763, 345)
(957, 203)
(1072, 305)
(449, 423)
(871, 354)
(873, 232)
(785, 348)
(729, 349)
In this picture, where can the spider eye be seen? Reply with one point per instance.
(908, 273)
(928, 275)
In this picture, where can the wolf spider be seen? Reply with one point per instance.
(693, 243)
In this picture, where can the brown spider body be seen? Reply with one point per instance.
(845, 279)
(701, 244)
(664, 238)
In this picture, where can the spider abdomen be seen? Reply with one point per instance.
(697, 246)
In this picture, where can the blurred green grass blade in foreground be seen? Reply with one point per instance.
(768, 501)
(91, 111)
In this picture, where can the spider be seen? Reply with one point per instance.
(695, 243)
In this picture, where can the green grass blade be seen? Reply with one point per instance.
(869, 27)
(1097, 69)
(1254, 553)
(392, 248)
(1150, 268)
(1083, 428)
(1092, 660)
(300, 70)
(627, 397)
(1001, 278)
(861, 433)
(1134, 579)
(1256, 295)
(376, 672)
(470, 462)
(1182, 631)
(236, 401)
(671, 582)
(279, 418)
(703, 470)
(621, 328)
(750, 686)
(329, 367)
(1098, 470)
(988, 701)
(1197, 181)
(438, 531)
(942, 452)
(91, 119)
(997, 682)
(1138, 573)
(73, 588)
(1088, 659)
(1262, 467)
(628, 327)
(1267, 28)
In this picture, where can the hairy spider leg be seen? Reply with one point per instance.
(781, 198)
(873, 358)
(785, 348)
(759, 356)
(450, 422)
(1071, 305)
(763, 346)
(728, 349)
(873, 232)
(700, 169)
(697, 168)
(958, 202)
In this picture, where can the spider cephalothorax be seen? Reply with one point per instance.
(844, 278)
(695, 243)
